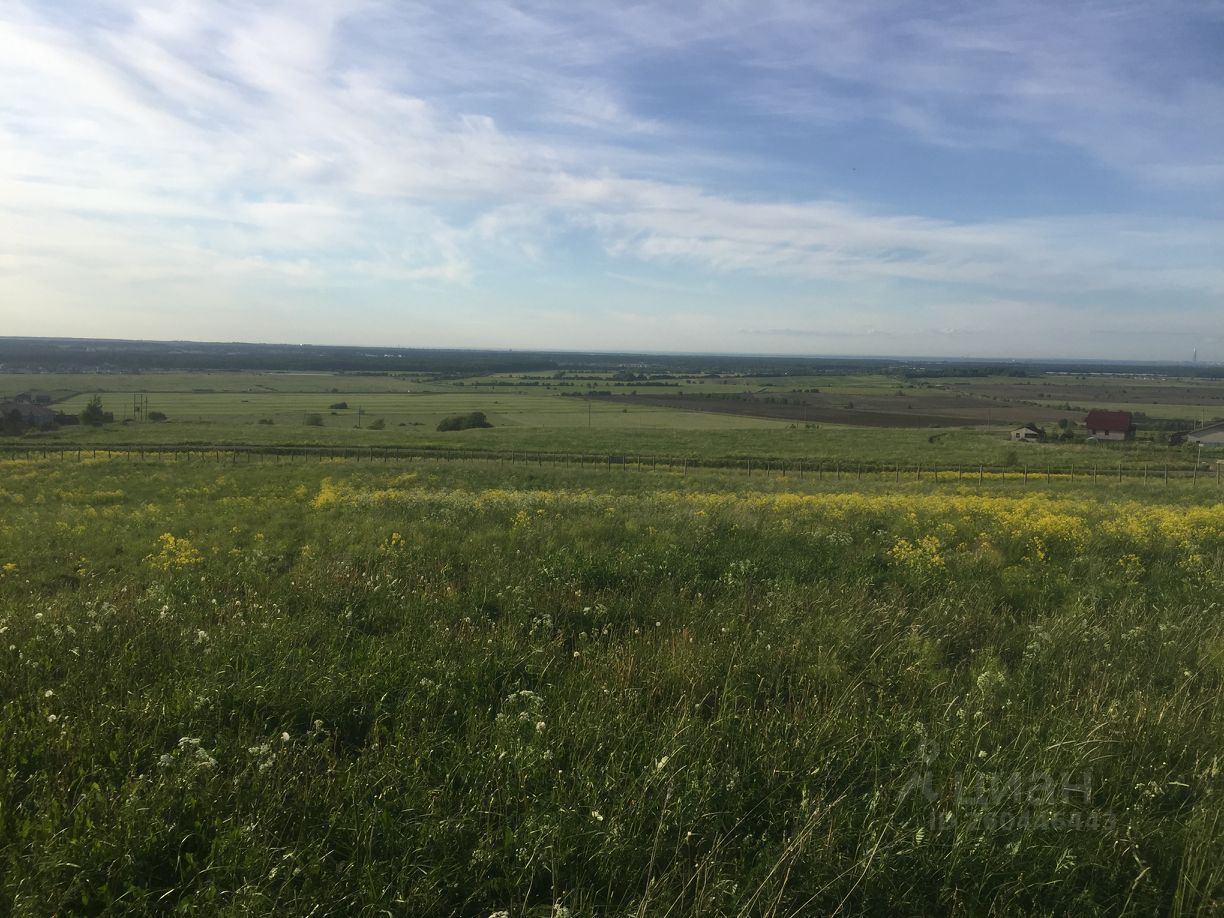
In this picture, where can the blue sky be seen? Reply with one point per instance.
(775, 176)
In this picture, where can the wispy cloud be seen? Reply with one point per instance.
(201, 152)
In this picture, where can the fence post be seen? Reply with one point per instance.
(1166, 473)
(981, 473)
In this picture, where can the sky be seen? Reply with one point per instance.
(929, 178)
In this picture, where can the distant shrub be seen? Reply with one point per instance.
(265, 421)
(338, 406)
(378, 424)
(314, 420)
(156, 415)
(12, 423)
(464, 421)
(93, 414)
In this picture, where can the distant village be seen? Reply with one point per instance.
(1102, 425)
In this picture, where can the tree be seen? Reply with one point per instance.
(465, 421)
(12, 423)
(93, 415)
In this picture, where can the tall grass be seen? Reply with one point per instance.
(335, 691)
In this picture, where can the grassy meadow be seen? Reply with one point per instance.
(538, 413)
(427, 688)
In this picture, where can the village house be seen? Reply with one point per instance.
(30, 412)
(1110, 425)
(1029, 433)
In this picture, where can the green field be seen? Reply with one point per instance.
(427, 409)
(538, 413)
(461, 688)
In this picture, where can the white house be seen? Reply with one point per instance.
(1028, 434)
(1211, 435)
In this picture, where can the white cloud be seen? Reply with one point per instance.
(261, 150)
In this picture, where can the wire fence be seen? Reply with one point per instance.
(816, 469)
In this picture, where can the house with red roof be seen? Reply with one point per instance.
(1110, 425)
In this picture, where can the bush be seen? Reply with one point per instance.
(465, 421)
(12, 423)
(93, 414)
(338, 406)
(265, 421)
(378, 424)
(314, 420)
(156, 415)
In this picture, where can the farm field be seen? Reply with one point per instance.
(864, 418)
(427, 409)
(943, 448)
(443, 688)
